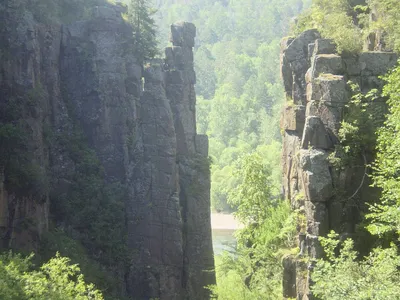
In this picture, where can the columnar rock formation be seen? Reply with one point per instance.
(315, 80)
(87, 109)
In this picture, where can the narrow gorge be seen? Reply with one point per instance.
(117, 158)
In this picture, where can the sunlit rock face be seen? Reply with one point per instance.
(80, 81)
(315, 79)
(171, 203)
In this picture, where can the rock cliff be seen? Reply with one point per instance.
(329, 198)
(105, 151)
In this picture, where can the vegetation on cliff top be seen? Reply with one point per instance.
(344, 272)
(349, 22)
(238, 107)
(140, 16)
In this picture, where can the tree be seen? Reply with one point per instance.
(255, 271)
(342, 276)
(385, 215)
(144, 29)
(57, 280)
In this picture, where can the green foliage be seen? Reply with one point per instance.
(255, 270)
(57, 280)
(93, 209)
(24, 175)
(230, 280)
(385, 214)
(387, 20)
(348, 22)
(252, 196)
(140, 16)
(362, 116)
(57, 240)
(238, 83)
(335, 20)
(342, 276)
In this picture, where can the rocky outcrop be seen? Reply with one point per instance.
(106, 151)
(315, 79)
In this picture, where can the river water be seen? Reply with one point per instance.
(223, 229)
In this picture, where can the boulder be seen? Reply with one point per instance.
(330, 115)
(315, 135)
(324, 46)
(183, 34)
(317, 218)
(329, 88)
(376, 63)
(315, 176)
(293, 118)
(328, 64)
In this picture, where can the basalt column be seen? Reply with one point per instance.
(169, 217)
(193, 164)
(316, 82)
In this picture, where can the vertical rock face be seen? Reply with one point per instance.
(169, 218)
(192, 159)
(73, 98)
(29, 52)
(315, 79)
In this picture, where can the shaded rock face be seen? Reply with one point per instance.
(140, 124)
(315, 79)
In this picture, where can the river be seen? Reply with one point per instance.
(223, 227)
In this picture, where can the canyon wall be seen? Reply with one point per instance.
(326, 196)
(105, 151)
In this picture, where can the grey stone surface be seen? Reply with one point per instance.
(202, 145)
(328, 197)
(315, 134)
(294, 118)
(315, 177)
(315, 250)
(330, 115)
(327, 64)
(295, 63)
(328, 88)
(183, 34)
(144, 137)
(324, 46)
(194, 173)
(376, 63)
(317, 218)
(289, 277)
(311, 48)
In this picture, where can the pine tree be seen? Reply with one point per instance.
(144, 29)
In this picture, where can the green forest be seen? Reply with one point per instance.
(239, 90)
(240, 99)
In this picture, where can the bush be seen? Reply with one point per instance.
(342, 276)
(57, 280)
(334, 19)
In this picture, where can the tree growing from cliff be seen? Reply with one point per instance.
(343, 274)
(144, 29)
(385, 215)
